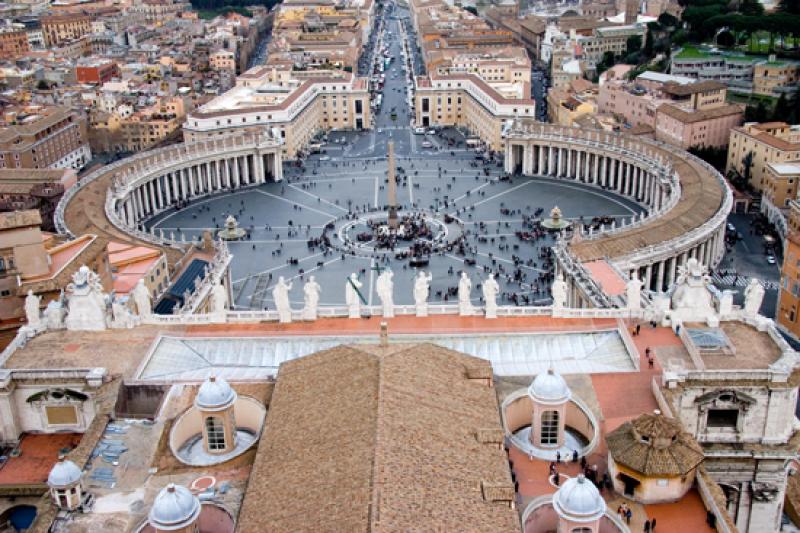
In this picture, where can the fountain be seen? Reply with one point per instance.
(555, 222)
(231, 231)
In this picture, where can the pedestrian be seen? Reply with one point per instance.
(558, 456)
(583, 463)
(653, 526)
(647, 526)
(638, 328)
(650, 362)
(628, 515)
(574, 456)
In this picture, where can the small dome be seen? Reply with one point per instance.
(63, 474)
(579, 500)
(549, 388)
(174, 508)
(214, 395)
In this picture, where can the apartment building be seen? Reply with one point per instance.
(467, 100)
(787, 314)
(773, 77)
(126, 130)
(697, 128)
(96, 71)
(13, 42)
(754, 146)
(43, 137)
(733, 70)
(567, 105)
(60, 28)
(39, 189)
(298, 105)
(680, 110)
(613, 39)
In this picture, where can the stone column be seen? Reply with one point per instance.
(660, 279)
(648, 276)
(129, 216)
(184, 184)
(570, 175)
(235, 163)
(159, 193)
(278, 165)
(540, 169)
(603, 164)
(246, 170)
(167, 189)
(192, 180)
(258, 166)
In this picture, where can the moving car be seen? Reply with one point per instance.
(419, 131)
(771, 259)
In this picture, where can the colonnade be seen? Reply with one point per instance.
(627, 175)
(643, 172)
(183, 175)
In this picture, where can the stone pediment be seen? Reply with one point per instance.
(725, 396)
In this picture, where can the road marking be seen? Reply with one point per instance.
(333, 217)
(323, 200)
(273, 269)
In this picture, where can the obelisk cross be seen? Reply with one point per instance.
(392, 200)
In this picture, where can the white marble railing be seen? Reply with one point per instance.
(247, 316)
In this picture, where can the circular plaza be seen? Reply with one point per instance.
(456, 210)
(328, 219)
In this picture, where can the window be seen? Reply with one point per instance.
(215, 431)
(549, 433)
(722, 418)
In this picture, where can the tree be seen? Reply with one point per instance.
(783, 109)
(789, 6)
(472, 9)
(633, 44)
(747, 164)
(43, 85)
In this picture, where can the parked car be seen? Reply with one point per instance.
(771, 259)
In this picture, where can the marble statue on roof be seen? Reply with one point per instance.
(311, 291)
(86, 304)
(692, 300)
(464, 289)
(32, 313)
(352, 296)
(633, 292)
(384, 286)
(141, 297)
(422, 288)
(280, 294)
(753, 296)
(559, 292)
(490, 289)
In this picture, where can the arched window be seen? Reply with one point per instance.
(549, 433)
(215, 430)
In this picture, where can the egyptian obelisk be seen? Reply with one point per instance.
(392, 189)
